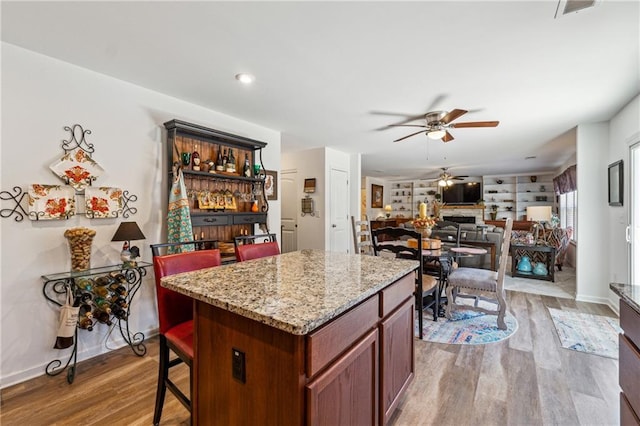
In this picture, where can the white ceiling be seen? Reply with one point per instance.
(327, 71)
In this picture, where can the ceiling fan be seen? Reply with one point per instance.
(438, 123)
(446, 178)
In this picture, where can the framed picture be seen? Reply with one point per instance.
(376, 196)
(310, 185)
(271, 185)
(616, 183)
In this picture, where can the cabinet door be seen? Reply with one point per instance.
(347, 392)
(396, 358)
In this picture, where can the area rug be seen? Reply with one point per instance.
(592, 334)
(466, 327)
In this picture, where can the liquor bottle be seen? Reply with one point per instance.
(219, 160)
(231, 163)
(246, 170)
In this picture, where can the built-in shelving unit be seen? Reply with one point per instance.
(512, 194)
(406, 197)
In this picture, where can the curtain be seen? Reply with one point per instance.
(566, 181)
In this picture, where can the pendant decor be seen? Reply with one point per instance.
(78, 171)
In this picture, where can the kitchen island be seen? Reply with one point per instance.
(309, 337)
(629, 352)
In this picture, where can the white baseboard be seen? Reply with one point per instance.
(592, 299)
(86, 353)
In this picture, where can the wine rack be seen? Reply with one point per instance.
(106, 292)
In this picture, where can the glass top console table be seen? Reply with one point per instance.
(104, 295)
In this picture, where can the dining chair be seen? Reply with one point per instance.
(478, 284)
(392, 241)
(247, 246)
(361, 230)
(175, 314)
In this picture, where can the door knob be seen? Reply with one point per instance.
(333, 226)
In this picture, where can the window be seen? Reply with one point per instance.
(569, 212)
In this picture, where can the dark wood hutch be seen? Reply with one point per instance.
(237, 218)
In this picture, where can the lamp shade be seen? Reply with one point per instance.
(388, 208)
(539, 213)
(128, 231)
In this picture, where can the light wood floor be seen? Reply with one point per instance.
(526, 380)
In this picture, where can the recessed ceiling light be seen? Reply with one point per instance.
(245, 78)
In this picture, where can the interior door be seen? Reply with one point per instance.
(339, 211)
(289, 214)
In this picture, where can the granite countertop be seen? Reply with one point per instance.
(630, 293)
(296, 292)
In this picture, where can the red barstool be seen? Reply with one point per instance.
(175, 314)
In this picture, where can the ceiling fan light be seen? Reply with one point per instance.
(449, 182)
(436, 134)
(442, 182)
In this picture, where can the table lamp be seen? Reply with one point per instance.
(538, 214)
(127, 232)
(388, 209)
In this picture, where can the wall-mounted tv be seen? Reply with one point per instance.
(462, 193)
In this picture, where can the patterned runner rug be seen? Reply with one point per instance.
(592, 334)
(466, 328)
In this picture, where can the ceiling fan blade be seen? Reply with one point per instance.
(447, 137)
(408, 125)
(408, 136)
(475, 124)
(452, 115)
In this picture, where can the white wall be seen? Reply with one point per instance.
(386, 196)
(309, 164)
(314, 231)
(591, 276)
(40, 96)
(624, 130)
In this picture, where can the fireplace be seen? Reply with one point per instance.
(460, 219)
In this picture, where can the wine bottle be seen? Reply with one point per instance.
(85, 311)
(119, 313)
(119, 301)
(246, 170)
(86, 296)
(85, 323)
(231, 163)
(102, 316)
(225, 160)
(102, 304)
(219, 160)
(121, 290)
(84, 283)
(102, 291)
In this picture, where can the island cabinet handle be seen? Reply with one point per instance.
(211, 219)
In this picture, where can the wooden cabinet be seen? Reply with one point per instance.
(220, 201)
(352, 370)
(396, 358)
(347, 392)
(629, 368)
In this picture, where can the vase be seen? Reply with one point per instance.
(426, 232)
(80, 240)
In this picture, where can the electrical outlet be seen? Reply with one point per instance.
(238, 365)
